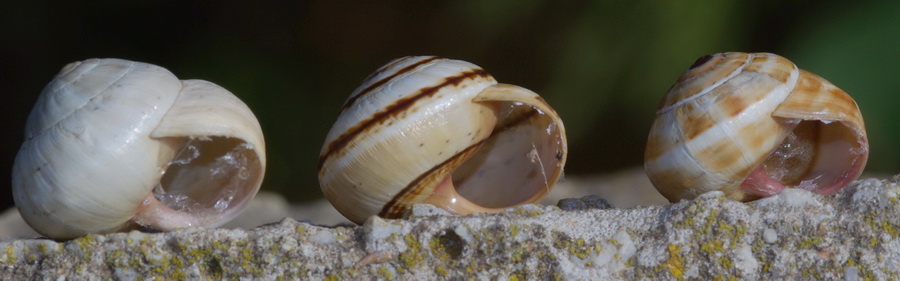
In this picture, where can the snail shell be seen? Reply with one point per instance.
(751, 125)
(439, 131)
(113, 144)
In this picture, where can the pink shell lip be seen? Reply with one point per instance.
(761, 184)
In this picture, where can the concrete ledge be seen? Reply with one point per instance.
(796, 235)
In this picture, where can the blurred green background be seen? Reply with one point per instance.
(604, 65)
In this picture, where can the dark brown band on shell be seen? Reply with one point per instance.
(395, 109)
(384, 80)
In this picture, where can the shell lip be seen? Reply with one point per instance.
(205, 184)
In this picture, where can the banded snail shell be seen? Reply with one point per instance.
(751, 125)
(112, 145)
(432, 130)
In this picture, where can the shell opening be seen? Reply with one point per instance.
(207, 181)
(517, 164)
(821, 156)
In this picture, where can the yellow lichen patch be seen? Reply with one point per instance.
(10, 255)
(810, 242)
(863, 272)
(412, 256)
(517, 255)
(441, 271)
(710, 221)
(726, 262)
(385, 272)
(439, 252)
(711, 247)
(889, 228)
(84, 242)
(675, 264)
(29, 256)
(530, 212)
(740, 231)
(514, 231)
(578, 248)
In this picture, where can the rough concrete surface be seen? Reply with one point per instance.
(793, 236)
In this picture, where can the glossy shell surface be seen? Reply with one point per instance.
(114, 144)
(420, 124)
(750, 125)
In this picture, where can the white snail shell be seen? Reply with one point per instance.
(112, 144)
(751, 125)
(439, 131)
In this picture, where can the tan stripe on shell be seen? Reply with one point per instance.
(689, 88)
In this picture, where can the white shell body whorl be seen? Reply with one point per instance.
(750, 125)
(103, 134)
(417, 120)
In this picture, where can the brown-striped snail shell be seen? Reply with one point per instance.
(431, 130)
(114, 144)
(751, 125)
